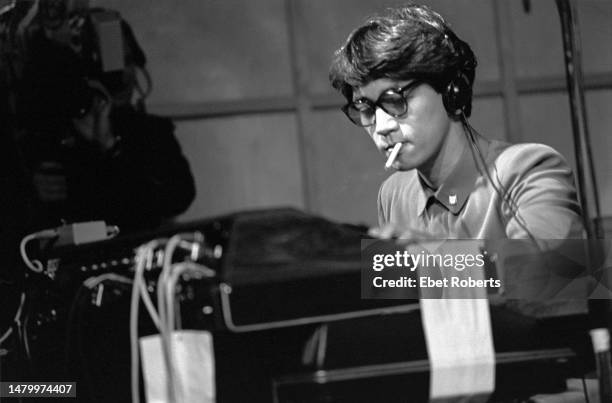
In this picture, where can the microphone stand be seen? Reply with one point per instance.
(582, 143)
(587, 185)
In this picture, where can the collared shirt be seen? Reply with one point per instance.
(526, 189)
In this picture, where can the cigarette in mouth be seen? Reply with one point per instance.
(393, 155)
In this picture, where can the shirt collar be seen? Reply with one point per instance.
(456, 189)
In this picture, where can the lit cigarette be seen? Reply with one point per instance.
(393, 155)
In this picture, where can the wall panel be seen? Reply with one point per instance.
(473, 22)
(537, 39)
(347, 168)
(236, 50)
(488, 117)
(600, 128)
(328, 22)
(242, 163)
(211, 50)
(545, 118)
(595, 18)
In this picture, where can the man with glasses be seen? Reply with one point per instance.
(408, 81)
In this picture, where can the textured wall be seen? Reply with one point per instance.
(236, 50)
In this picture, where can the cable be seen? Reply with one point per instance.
(35, 265)
(6, 335)
(92, 282)
(165, 298)
(24, 336)
(162, 306)
(584, 390)
(178, 270)
(144, 255)
(144, 294)
(16, 319)
(502, 193)
(164, 316)
(134, 326)
(8, 7)
(141, 259)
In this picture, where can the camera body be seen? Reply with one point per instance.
(69, 56)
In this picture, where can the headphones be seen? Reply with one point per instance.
(457, 100)
(457, 97)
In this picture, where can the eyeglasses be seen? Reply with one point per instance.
(362, 112)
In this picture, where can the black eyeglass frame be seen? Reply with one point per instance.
(374, 104)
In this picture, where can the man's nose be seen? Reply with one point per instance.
(385, 123)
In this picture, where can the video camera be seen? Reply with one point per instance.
(66, 48)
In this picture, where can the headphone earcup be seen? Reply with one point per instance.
(449, 98)
(457, 96)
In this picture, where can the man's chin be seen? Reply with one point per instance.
(402, 165)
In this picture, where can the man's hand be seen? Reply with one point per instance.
(95, 126)
(407, 235)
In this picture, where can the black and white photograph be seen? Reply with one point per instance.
(305, 201)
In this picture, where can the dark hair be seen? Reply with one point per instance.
(409, 42)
